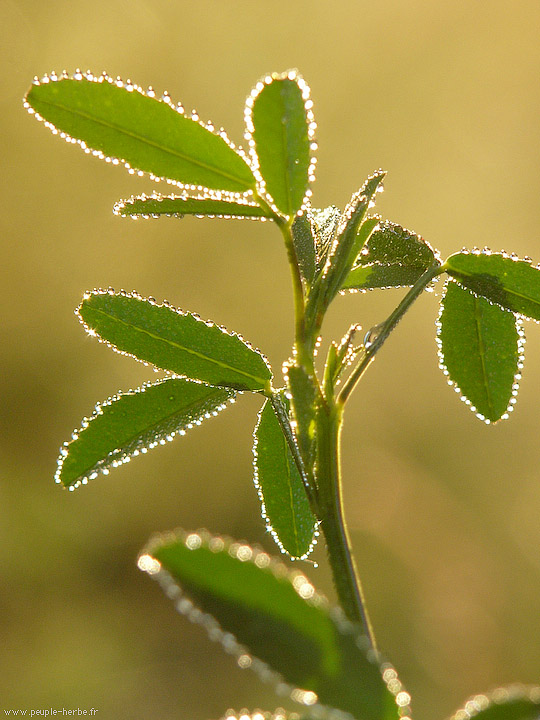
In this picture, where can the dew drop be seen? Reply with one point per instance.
(193, 541)
(305, 697)
(403, 699)
(244, 661)
(148, 564)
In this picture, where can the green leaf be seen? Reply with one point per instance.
(514, 284)
(324, 226)
(392, 257)
(131, 423)
(172, 340)
(156, 205)
(304, 245)
(512, 703)
(275, 617)
(303, 403)
(280, 123)
(353, 231)
(285, 505)
(314, 234)
(119, 121)
(481, 351)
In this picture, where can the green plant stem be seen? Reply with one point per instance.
(285, 227)
(329, 423)
(326, 496)
(302, 356)
(338, 545)
(385, 330)
(304, 343)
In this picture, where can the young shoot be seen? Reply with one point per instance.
(267, 614)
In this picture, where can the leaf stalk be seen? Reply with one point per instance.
(383, 331)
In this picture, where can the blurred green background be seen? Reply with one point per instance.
(443, 510)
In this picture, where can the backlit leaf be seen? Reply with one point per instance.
(131, 423)
(280, 121)
(392, 257)
(274, 616)
(304, 245)
(119, 121)
(172, 340)
(157, 205)
(514, 284)
(353, 232)
(285, 505)
(512, 703)
(324, 226)
(481, 351)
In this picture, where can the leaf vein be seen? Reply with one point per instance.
(144, 139)
(178, 346)
(286, 452)
(482, 351)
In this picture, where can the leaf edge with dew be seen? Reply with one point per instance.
(240, 182)
(210, 404)
(266, 427)
(293, 76)
(350, 285)
(157, 205)
(490, 286)
(157, 561)
(502, 698)
(451, 286)
(149, 304)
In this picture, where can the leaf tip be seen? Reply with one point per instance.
(148, 564)
(524, 698)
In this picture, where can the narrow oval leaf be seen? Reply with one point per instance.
(352, 232)
(280, 123)
(481, 352)
(504, 279)
(324, 224)
(511, 703)
(285, 505)
(304, 245)
(156, 205)
(276, 619)
(134, 422)
(392, 257)
(119, 122)
(172, 340)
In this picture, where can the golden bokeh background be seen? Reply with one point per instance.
(444, 511)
